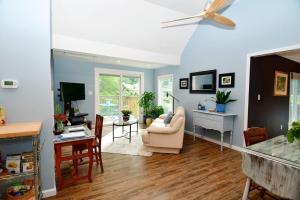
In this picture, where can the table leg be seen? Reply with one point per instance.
(231, 139)
(90, 153)
(113, 132)
(137, 127)
(57, 165)
(222, 138)
(130, 133)
(194, 127)
(246, 190)
(122, 130)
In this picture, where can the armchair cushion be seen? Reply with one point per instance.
(168, 118)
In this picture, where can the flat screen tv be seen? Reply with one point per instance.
(72, 91)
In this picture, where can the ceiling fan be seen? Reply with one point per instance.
(209, 13)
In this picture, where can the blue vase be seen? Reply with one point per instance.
(220, 108)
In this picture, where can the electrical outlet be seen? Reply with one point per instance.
(281, 127)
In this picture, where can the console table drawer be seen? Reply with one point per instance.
(208, 123)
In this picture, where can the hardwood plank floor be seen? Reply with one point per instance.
(201, 171)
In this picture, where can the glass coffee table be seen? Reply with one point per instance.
(125, 134)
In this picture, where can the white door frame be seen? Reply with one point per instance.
(260, 53)
(120, 73)
(164, 76)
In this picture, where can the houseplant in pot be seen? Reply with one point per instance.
(59, 119)
(222, 98)
(146, 102)
(293, 133)
(156, 111)
(126, 115)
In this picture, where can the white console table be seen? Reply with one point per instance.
(221, 122)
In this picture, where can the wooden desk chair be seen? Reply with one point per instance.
(252, 136)
(255, 135)
(78, 149)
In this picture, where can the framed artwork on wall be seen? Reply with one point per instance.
(184, 83)
(281, 83)
(226, 80)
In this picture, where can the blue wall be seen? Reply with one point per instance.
(70, 69)
(25, 56)
(261, 25)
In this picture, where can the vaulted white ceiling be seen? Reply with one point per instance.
(128, 29)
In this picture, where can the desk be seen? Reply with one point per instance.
(59, 143)
(221, 122)
(274, 165)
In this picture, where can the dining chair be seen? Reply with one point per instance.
(78, 149)
(253, 136)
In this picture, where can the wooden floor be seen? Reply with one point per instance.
(201, 172)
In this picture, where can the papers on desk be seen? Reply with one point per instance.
(72, 135)
(75, 129)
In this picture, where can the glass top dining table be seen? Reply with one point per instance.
(277, 149)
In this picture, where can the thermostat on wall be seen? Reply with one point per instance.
(9, 83)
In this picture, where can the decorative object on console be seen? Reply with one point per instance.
(294, 133)
(126, 115)
(226, 80)
(203, 82)
(59, 118)
(2, 116)
(200, 106)
(221, 99)
(210, 12)
(146, 102)
(184, 83)
(281, 83)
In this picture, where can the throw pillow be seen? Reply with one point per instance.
(168, 118)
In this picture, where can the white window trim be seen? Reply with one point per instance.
(121, 73)
(157, 81)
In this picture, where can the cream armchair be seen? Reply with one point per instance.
(165, 138)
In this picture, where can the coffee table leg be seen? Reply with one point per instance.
(137, 128)
(130, 133)
(113, 132)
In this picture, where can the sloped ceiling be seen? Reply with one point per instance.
(292, 55)
(128, 29)
(189, 7)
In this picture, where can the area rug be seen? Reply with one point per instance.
(122, 145)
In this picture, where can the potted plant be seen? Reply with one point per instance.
(157, 111)
(146, 102)
(221, 99)
(126, 115)
(293, 133)
(59, 119)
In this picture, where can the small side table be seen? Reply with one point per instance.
(124, 132)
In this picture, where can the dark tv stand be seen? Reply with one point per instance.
(76, 119)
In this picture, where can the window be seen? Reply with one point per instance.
(117, 90)
(165, 85)
(294, 97)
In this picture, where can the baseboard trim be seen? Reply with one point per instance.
(236, 148)
(49, 193)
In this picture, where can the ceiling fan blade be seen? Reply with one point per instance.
(222, 20)
(185, 18)
(216, 5)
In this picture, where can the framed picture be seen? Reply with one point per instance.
(184, 83)
(281, 83)
(226, 80)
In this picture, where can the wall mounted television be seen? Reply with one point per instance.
(72, 91)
